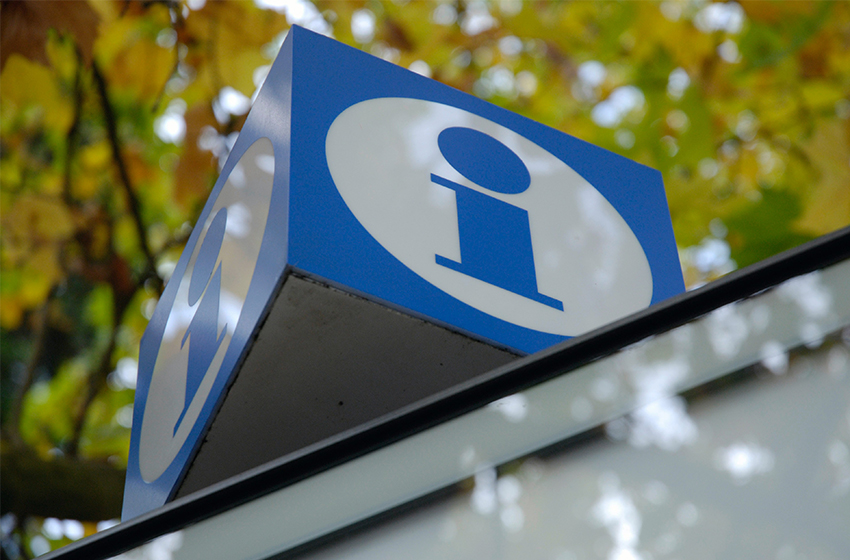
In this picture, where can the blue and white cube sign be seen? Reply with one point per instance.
(377, 181)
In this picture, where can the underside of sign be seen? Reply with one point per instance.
(376, 237)
(324, 362)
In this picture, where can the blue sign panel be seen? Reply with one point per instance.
(380, 182)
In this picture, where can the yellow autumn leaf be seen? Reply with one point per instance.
(95, 156)
(748, 171)
(689, 49)
(822, 94)
(143, 67)
(779, 109)
(107, 10)
(11, 312)
(237, 68)
(10, 172)
(827, 208)
(85, 186)
(89, 528)
(35, 286)
(113, 39)
(45, 261)
(132, 60)
(193, 176)
(226, 40)
(38, 217)
(25, 84)
(62, 56)
(50, 183)
(124, 235)
(100, 240)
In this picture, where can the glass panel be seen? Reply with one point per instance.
(710, 440)
(754, 467)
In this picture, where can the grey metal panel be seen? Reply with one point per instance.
(323, 362)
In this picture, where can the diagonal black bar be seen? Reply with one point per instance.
(463, 398)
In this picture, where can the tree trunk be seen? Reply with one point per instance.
(59, 487)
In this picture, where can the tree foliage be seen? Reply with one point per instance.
(115, 115)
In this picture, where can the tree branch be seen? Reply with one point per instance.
(58, 487)
(97, 378)
(73, 132)
(126, 183)
(122, 291)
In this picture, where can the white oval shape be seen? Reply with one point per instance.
(247, 196)
(381, 154)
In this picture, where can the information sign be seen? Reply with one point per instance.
(368, 178)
